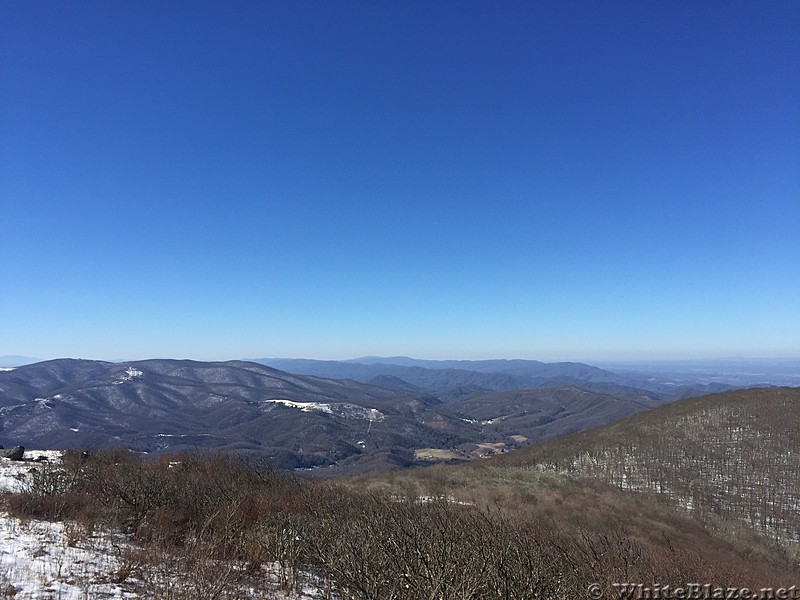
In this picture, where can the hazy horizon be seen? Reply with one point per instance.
(591, 361)
(577, 181)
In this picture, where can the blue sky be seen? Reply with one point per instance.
(547, 180)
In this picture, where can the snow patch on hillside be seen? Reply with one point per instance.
(130, 373)
(342, 409)
(304, 406)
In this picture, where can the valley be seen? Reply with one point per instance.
(699, 490)
(372, 416)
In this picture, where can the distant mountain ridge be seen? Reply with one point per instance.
(736, 372)
(13, 360)
(296, 421)
(154, 404)
(342, 415)
(454, 379)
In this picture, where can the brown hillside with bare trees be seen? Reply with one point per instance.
(724, 457)
(672, 496)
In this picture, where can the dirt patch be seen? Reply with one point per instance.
(438, 454)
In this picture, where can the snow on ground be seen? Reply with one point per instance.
(49, 560)
(13, 472)
(343, 409)
(130, 373)
(303, 406)
(42, 560)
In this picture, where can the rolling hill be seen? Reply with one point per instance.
(295, 421)
(157, 404)
(730, 462)
(705, 485)
(727, 457)
(455, 379)
(704, 489)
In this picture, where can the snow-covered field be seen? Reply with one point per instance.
(45, 560)
(40, 560)
(13, 473)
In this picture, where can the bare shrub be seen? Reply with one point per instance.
(206, 525)
(372, 547)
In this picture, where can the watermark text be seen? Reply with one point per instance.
(690, 591)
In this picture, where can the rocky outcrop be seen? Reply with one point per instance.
(15, 453)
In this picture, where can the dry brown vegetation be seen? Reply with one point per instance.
(731, 460)
(671, 496)
(207, 526)
(717, 477)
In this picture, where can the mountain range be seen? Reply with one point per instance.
(322, 416)
(453, 379)
(295, 421)
(710, 484)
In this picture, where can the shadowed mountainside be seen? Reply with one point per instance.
(155, 404)
(729, 461)
(729, 456)
(452, 380)
(295, 421)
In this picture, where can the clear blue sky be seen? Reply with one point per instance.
(548, 179)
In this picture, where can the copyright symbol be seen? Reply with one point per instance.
(595, 591)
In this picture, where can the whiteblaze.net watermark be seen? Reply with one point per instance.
(690, 591)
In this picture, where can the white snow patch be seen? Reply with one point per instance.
(304, 406)
(14, 472)
(130, 373)
(43, 402)
(342, 409)
(43, 560)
